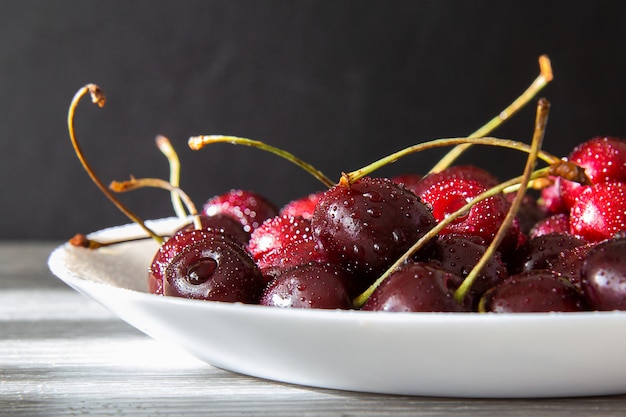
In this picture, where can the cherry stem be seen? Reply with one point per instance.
(543, 109)
(432, 233)
(136, 183)
(545, 76)
(98, 97)
(83, 241)
(504, 143)
(198, 142)
(166, 148)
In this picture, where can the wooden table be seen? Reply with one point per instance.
(62, 354)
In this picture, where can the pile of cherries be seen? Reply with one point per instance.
(455, 239)
(565, 250)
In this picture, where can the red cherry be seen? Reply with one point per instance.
(482, 220)
(464, 172)
(552, 200)
(603, 159)
(277, 232)
(284, 242)
(303, 207)
(249, 208)
(556, 223)
(599, 212)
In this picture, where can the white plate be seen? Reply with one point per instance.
(434, 354)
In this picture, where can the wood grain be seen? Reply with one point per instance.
(63, 355)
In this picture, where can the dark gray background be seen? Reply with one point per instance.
(338, 83)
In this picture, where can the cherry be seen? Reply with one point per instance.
(222, 223)
(604, 160)
(483, 219)
(251, 209)
(533, 291)
(408, 180)
(314, 285)
(366, 225)
(568, 264)
(303, 207)
(529, 214)
(604, 275)
(459, 254)
(555, 223)
(464, 172)
(166, 252)
(283, 242)
(551, 199)
(538, 251)
(276, 232)
(415, 287)
(599, 212)
(210, 266)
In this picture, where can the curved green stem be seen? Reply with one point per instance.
(504, 143)
(198, 142)
(544, 77)
(166, 148)
(97, 97)
(135, 183)
(543, 108)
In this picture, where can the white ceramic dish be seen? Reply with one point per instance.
(434, 354)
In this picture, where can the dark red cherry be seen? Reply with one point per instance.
(459, 255)
(538, 251)
(569, 263)
(167, 251)
(223, 224)
(368, 225)
(212, 266)
(416, 287)
(409, 181)
(604, 275)
(530, 212)
(533, 292)
(313, 285)
(249, 208)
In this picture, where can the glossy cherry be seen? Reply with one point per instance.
(416, 287)
(599, 211)
(315, 285)
(604, 275)
(211, 266)
(367, 225)
(533, 292)
(249, 208)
